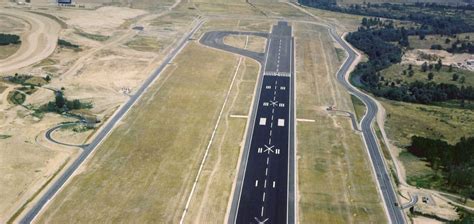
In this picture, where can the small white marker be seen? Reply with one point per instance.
(271, 125)
(263, 198)
(271, 132)
(268, 160)
(273, 111)
(272, 117)
(261, 213)
(266, 171)
(273, 184)
(256, 183)
(265, 184)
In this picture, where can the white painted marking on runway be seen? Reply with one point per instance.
(260, 150)
(273, 184)
(263, 197)
(268, 160)
(261, 213)
(266, 171)
(272, 117)
(273, 110)
(263, 121)
(270, 141)
(271, 132)
(271, 125)
(256, 183)
(281, 122)
(274, 92)
(265, 184)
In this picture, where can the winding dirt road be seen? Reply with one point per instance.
(38, 42)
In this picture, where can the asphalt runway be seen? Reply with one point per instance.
(265, 184)
(390, 199)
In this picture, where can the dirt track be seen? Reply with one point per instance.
(38, 42)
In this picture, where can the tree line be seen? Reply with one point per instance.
(375, 38)
(456, 162)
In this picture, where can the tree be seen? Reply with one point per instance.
(424, 67)
(404, 72)
(47, 78)
(447, 41)
(60, 101)
(450, 68)
(430, 76)
(411, 73)
(439, 65)
(410, 67)
(455, 77)
(462, 79)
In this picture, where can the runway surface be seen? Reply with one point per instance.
(56, 186)
(385, 185)
(264, 191)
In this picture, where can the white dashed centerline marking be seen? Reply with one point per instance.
(261, 213)
(266, 171)
(265, 184)
(256, 183)
(268, 160)
(273, 184)
(263, 197)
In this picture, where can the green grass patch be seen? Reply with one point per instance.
(430, 40)
(5, 136)
(407, 119)
(16, 97)
(395, 74)
(341, 54)
(359, 107)
(144, 43)
(96, 37)
(67, 44)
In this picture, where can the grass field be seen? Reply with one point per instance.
(254, 43)
(359, 107)
(213, 191)
(406, 119)
(429, 40)
(334, 176)
(145, 43)
(395, 74)
(144, 171)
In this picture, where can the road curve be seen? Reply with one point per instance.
(37, 43)
(49, 133)
(386, 188)
(56, 186)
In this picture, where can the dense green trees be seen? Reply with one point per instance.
(6, 39)
(455, 161)
(61, 104)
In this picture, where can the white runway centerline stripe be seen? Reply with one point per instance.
(263, 197)
(256, 183)
(261, 213)
(266, 171)
(268, 160)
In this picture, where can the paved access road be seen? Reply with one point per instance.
(385, 185)
(56, 186)
(265, 184)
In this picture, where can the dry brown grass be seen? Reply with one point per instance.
(335, 184)
(8, 50)
(213, 191)
(144, 171)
